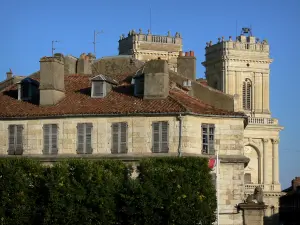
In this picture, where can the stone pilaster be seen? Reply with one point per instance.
(275, 161)
(265, 159)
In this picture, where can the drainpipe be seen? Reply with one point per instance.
(180, 134)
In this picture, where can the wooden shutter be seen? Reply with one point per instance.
(15, 140)
(115, 138)
(84, 138)
(80, 138)
(160, 137)
(164, 137)
(123, 137)
(19, 140)
(50, 139)
(54, 134)
(98, 88)
(11, 139)
(88, 138)
(155, 140)
(119, 138)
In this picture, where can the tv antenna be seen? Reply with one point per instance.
(53, 48)
(150, 20)
(95, 36)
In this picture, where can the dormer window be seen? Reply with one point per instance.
(139, 85)
(28, 90)
(98, 89)
(101, 85)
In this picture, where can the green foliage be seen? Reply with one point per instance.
(174, 191)
(168, 191)
(20, 180)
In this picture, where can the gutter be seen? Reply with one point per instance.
(122, 115)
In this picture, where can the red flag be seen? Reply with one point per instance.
(212, 163)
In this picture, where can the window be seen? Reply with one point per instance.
(84, 138)
(119, 138)
(50, 139)
(15, 139)
(139, 86)
(98, 89)
(160, 134)
(208, 139)
(247, 178)
(247, 94)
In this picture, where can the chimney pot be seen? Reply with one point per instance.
(181, 53)
(192, 53)
(187, 54)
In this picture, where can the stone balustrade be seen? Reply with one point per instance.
(261, 120)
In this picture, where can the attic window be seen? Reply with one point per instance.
(28, 90)
(101, 85)
(98, 89)
(139, 86)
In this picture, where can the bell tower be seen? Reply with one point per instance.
(241, 68)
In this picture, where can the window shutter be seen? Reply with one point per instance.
(19, 140)
(164, 137)
(88, 138)
(46, 139)
(80, 138)
(50, 139)
(115, 138)
(54, 134)
(98, 88)
(123, 137)
(156, 137)
(11, 139)
(248, 95)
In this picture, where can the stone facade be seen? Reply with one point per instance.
(241, 68)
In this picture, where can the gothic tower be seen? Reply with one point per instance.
(241, 68)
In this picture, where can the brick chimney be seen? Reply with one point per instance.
(52, 81)
(186, 65)
(84, 64)
(9, 74)
(296, 183)
(156, 79)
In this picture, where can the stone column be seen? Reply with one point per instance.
(275, 161)
(265, 159)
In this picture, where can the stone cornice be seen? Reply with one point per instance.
(264, 127)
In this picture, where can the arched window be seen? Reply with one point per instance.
(247, 94)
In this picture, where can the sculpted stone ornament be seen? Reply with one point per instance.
(256, 197)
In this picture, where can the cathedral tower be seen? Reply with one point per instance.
(241, 68)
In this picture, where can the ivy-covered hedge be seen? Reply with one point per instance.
(167, 191)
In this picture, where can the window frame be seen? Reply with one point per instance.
(116, 145)
(51, 134)
(94, 82)
(86, 147)
(160, 146)
(17, 131)
(210, 149)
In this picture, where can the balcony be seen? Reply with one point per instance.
(263, 121)
(249, 188)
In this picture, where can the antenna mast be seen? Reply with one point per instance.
(95, 36)
(53, 48)
(150, 20)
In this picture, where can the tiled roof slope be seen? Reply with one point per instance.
(119, 101)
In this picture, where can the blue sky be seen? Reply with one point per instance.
(28, 28)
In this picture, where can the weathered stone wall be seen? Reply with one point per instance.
(228, 141)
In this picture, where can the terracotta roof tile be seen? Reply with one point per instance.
(119, 101)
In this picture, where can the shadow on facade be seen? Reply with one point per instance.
(272, 220)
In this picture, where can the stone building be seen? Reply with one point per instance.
(131, 107)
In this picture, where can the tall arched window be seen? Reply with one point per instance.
(247, 94)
